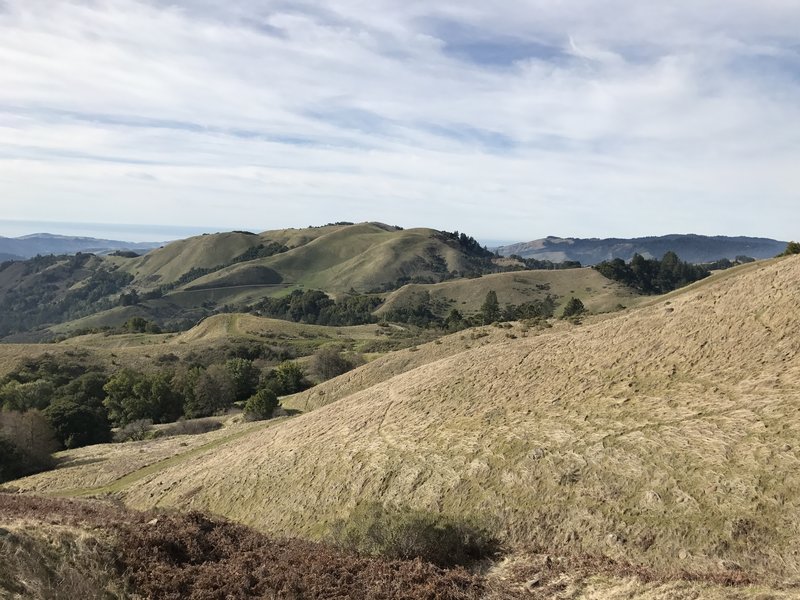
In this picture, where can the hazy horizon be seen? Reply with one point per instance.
(141, 232)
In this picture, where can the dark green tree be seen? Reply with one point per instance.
(490, 310)
(78, 424)
(573, 308)
(287, 378)
(454, 321)
(244, 376)
(261, 405)
(214, 392)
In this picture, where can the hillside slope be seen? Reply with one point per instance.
(665, 436)
(365, 257)
(598, 293)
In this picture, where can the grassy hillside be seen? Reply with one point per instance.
(185, 281)
(170, 262)
(143, 351)
(366, 256)
(665, 436)
(467, 295)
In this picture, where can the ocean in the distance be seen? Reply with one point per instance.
(109, 231)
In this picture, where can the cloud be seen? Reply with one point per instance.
(511, 121)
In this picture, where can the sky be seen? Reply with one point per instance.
(507, 120)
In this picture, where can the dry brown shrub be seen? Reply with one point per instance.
(196, 557)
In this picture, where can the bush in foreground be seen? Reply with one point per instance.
(404, 533)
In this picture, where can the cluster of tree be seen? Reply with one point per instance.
(653, 276)
(81, 402)
(53, 289)
(63, 396)
(317, 308)
(421, 310)
(492, 312)
(468, 244)
(726, 263)
(192, 392)
(535, 264)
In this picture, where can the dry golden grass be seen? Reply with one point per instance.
(92, 469)
(45, 561)
(598, 293)
(665, 437)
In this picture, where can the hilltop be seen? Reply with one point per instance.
(663, 436)
(690, 247)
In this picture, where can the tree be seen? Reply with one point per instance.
(573, 308)
(24, 396)
(244, 376)
(29, 440)
(214, 392)
(78, 424)
(791, 248)
(454, 321)
(287, 378)
(261, 405)
(136, 325)
(119, 397)
(132, 396)
(490, 310)
(329, 362)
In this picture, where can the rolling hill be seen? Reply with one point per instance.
(181, 283)
(663, 436)
(690, 247)
(598, 293)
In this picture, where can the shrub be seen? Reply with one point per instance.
(191, 427)
(573, 308)
(404, 533)
(328, 363)
(134, 431)
(261, 405)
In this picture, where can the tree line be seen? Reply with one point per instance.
(653, 276)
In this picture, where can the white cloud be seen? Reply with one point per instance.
(508, 121)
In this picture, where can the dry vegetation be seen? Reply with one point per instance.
(598, 293)
(79, 550)
(663, 437)
(658, 449)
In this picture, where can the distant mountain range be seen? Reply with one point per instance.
(689, 247)
(28, 246)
